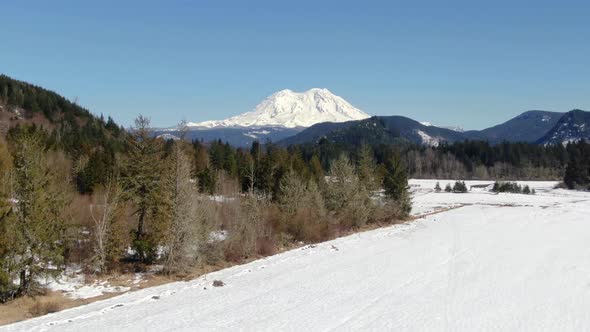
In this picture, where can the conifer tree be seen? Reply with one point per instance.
(437, 187)
(395, 184)
(346, 196)
(317, 172)
(143, 186)
(7, 288)
(367, 168)
(38, 227)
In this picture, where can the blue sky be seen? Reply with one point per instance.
(464, 63)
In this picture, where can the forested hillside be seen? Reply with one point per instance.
(91, 143)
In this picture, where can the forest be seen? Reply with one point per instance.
(176, 204)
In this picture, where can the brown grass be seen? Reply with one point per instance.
(27, 307)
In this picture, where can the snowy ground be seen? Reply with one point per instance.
(72, 284)
(488, 262)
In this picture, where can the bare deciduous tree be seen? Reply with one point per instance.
(103, 213)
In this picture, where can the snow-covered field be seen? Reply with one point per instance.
(487, 262)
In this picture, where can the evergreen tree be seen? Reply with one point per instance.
(448, 188)
(38, 228)
(317, 172)
(7, 287)
(367, 168)
(460, 187)
(142, 182)
(345, 196)
(395, 184)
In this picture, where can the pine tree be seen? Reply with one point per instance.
(526, 190)
(448, 188)
(142, 182)
(38, 227)
(7, 287)
(292, 194)
(395, 184)
(437, 187)
(460, 187)
(345, 196)
(367, 168)
(317, 172)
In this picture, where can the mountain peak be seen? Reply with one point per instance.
(290, 109)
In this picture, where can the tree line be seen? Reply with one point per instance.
(464, 159)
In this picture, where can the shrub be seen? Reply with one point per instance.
(437, 187)
(507, 187)
(41, 308)
(460, 187)
(448, 188)
(526, 190)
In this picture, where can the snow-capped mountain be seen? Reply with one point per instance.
(572, 127)
(291, 109)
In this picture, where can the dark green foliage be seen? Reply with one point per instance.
(460, 187)
(577, 173)
(142, 184)
(526, 190)
(437, 188)
(448, 188)
(36, 99)
(100, 166)
(465, 159)
(207, 181)
(37, 227)
(395, 184)
(74, 129)
(511, 187)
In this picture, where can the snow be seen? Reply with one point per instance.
(484, 262)
(168, 137)
(291, 109)
(453, 128)
(427, 139)
(72, 284)
(221, 198)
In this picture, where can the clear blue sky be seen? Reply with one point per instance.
(470, 63)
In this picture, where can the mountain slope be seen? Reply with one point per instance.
(235, 136)
(527, 127)
(290, 109)
(571, 127)
(376, 130)
(22, 103)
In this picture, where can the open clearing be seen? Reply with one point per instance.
(483, 262)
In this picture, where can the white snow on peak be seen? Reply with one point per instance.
(290, 109)
(427, 139)
(453, 128)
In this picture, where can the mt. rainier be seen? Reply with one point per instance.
(291, 109)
